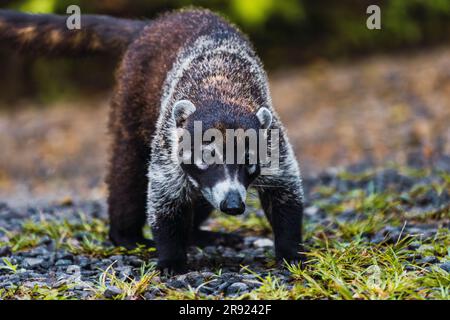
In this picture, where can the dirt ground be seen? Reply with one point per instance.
(380, 109)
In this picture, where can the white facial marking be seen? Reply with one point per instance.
(219, 191)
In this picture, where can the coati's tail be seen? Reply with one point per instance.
(49, 34)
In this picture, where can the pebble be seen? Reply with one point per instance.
(5, 251)
(112, 292)
(176, 284)
(73, 269)
(428, 260)
(263, 243)
(445, 266)
(32, 262)
(63, 262)
(237, 288)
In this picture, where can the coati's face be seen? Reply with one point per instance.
(220, 174)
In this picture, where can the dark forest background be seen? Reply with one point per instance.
(286, 33)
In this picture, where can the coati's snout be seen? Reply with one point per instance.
(223, 186)
(224, 160)
(233, 204)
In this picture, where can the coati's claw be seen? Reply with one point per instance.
(296, 259)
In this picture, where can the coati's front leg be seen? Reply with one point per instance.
(170, 217)
(127, 183)
(203, 238)
(171, 230)
(281, 199)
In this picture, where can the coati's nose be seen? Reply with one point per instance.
(233, 204)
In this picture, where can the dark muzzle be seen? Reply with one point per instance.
(233, 204)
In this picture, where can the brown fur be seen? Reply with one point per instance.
(135, 110)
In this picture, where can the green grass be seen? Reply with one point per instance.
(341, 261)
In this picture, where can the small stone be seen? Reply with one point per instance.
(63, 262)
(263, 243)
(73, 269)
(410, 267)
(237, 288)
(149, 296)
(176, 284)
(311, 211)
(5, 251)
(195, 278)
(32, 262)
(112, 292)
(135, 261)
(208, 275)
(125, 272)
(223, 286)
(210, 250)
(116, 258)
(231, 277)
(428, 260)
(64, 255)
(36, 252)
(445, 266)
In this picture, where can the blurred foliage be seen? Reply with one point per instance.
(285, 32)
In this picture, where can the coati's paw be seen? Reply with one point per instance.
(130, 242)
(172, 266)
(203, 238)
(295, 258)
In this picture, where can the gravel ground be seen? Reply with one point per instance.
(54, 251)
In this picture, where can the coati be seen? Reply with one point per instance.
(185, 66)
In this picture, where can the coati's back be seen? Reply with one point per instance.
(155, 61)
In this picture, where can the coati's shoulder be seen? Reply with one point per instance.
(163, 43)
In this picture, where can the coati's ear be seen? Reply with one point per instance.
(182, 110)
(265, 117)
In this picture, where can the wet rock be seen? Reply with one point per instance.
(210, 250)
(195, 279)
(428, 260)
(237, 288)
(177, 284)
(263, 243)
(125, 272)
(445, 266)
(37, 252)
(5, 251)
(135, 261)
(311, 211)
(64, 255)
(231, 277)
(83, 261)
(73, 269)
(112, 292)
(32, 263)
(63, 263)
